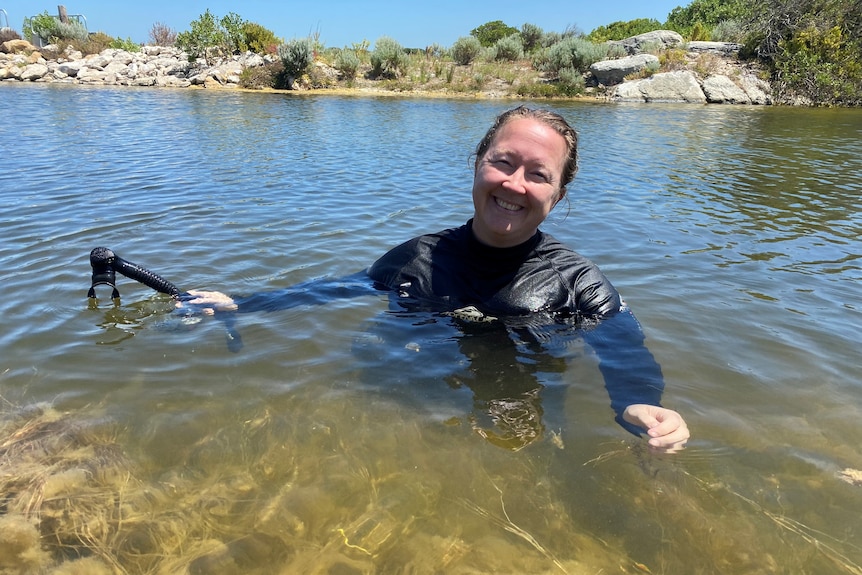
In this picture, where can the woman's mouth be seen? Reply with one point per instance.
(506, 205)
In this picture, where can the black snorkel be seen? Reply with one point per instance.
(106, 264)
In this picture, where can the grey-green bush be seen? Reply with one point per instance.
(71, 30)
(466, 49)
(571, 82)
(388, 58)
(510, 48)
(347, 62)
(573, 52)
(729, 31)
(296, 56)
(531, 35)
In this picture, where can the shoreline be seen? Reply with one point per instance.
(709, 75)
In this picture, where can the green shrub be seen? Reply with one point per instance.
(205, 33)
(673, 59)
(465, 50)
(572, 52)
(699, 32)
(347, 62)
(531, 36)
(490, 32)
(571, 82)
(296, 57)
(656, 47)
(126, 45)
(388, 58)
(614, 51)
(622, 30)
(537, 90)
(71, 30)
(260, 77)
(729, 31)
(708, 13)
(510, 48)
(820, 64)
(233, 30)
(259, 39)
(43, 25)
(550, 38)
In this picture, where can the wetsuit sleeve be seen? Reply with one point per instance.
(630, 371)
(310, 293)
(595, 296)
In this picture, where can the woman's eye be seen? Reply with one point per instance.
(541, 176)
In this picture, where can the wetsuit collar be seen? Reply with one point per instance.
(514, 253)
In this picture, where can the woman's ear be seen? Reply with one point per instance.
(560, 195)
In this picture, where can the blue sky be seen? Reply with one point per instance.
(344, 22)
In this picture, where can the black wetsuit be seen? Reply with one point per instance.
(512, 295)
(450, 270)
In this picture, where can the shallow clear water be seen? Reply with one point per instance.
(340, 439)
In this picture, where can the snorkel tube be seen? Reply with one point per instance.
(106, 264)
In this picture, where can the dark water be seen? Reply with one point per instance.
(339, 439)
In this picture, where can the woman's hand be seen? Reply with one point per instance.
(666, 428)
(209, 301)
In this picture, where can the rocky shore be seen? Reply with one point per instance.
(709, 73)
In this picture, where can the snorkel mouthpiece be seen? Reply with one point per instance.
(102, 262)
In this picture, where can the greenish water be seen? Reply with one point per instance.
(341, 438)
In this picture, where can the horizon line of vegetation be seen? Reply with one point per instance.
(811, 49)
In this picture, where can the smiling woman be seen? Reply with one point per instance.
(500, 268)
(499, 263)
(522, 168)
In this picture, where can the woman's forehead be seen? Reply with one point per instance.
(530, 137)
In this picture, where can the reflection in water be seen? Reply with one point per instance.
(344, 438)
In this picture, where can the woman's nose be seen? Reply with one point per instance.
(517, 180)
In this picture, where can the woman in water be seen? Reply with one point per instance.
(499, 265)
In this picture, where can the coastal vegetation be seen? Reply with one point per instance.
(810, 50)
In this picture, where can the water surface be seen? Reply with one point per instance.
(342, 437)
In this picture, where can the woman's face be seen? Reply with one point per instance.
(517, 182)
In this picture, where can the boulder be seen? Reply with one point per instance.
(680, 86)
(610, 72)
(34, 72)
(227, 73)
(720, 48)
(98, 61)
(722, 90)
(89, 75)
(664, 38)
(15, 46)
(757, 89)
(70, 68)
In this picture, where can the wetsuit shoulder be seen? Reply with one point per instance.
(412, 260)
(590, 293)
